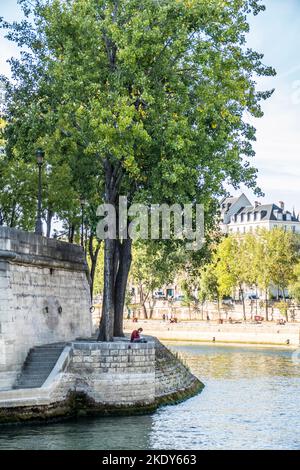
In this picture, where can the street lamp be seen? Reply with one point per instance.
(82, 203)
(38, 225)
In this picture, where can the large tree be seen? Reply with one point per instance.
(152, 94)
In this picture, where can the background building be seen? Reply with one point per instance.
(238, 215)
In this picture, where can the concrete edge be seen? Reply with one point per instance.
(40, 395)
(61, 364)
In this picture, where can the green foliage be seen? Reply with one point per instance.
(265, 259)
(283, 308)
(294, 286)
(152, 266)
(161, 87)
(208, 284)
(140, 98)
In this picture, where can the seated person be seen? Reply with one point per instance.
(136, 338)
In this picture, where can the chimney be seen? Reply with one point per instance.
(281, 204)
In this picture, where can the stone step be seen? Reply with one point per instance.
(45, 351)
(41, 358)
(38, 365)
(43, 355)
(35, 374)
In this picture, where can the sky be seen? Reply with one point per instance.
(276, 34)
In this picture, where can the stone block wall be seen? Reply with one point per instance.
(116, 373)
(171, 375)
(44, 296)
(103, 378)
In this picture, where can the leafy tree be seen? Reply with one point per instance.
(152, 94)
(154, 265)
(209, 286)
(276, 253)
(284, 253)
(294, 286)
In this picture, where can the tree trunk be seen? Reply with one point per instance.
(113, 176)
(13, 214)
(243, 303)
(286, 309)
(50, 215)
(145, 311)
(152, 305)
(108, 308)
(94, 258)
(267, 306)
(125, 258)
(71, 233)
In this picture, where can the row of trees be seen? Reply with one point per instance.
(266, 260)
(136, 98)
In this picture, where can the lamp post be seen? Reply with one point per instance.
(82, 203)
(38, 225)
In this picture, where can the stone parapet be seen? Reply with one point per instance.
(44, 297)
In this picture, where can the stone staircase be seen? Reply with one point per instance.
(38, 364)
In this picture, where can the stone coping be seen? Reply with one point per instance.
(41, 261)
(90, 345)
(18, 246)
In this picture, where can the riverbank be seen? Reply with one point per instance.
(207, 332)
(250, 401)
(91, 378)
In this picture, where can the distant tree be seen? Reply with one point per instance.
(276, 254)
(209, 289)
(294, 286)
(153, 267)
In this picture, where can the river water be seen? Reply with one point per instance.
(251, 400)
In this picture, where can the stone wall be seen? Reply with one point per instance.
(44, 296)
(115, 373)
(103, 378)
(172, 377)
(264, 333)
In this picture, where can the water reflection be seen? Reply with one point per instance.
(237, 362)
(251, 401)
(123, 433)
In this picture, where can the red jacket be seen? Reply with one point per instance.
(135, 335)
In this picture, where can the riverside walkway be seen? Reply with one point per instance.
(264, 333)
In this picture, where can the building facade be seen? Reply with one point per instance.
(238, 215)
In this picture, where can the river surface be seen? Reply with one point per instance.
(251, 400)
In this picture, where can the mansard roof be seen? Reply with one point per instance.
(268, 212)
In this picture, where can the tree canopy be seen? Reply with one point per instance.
(139, 98)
